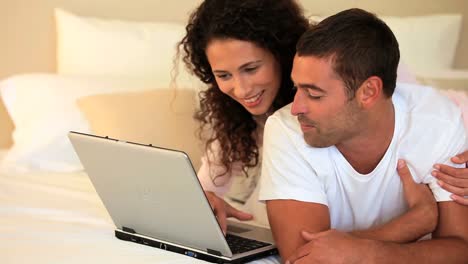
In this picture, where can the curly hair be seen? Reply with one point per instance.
(274, 25)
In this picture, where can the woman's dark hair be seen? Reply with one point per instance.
(274, 25)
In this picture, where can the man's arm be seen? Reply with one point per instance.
(289, 217)
(294, 194)
(448, 246)
(449, 243)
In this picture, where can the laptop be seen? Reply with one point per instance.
(154, 198)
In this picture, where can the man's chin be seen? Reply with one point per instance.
(316, 143)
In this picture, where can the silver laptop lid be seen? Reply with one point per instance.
(151, 190)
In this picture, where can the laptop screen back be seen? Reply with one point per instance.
(151, 190)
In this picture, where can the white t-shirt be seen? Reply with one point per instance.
(428, 129)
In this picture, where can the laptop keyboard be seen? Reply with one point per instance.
(241, 244)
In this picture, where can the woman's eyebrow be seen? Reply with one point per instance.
(249, 64)
(219, 71)
(245, 65)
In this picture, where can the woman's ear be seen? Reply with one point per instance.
(370, 91)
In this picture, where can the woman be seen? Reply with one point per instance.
(243, 51)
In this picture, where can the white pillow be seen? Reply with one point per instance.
(427, 43)
(94, 46)
(43, 109)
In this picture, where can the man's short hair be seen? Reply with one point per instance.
(360, 46)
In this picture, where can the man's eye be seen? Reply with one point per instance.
(314, 96)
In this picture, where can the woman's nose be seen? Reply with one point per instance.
(242, 88)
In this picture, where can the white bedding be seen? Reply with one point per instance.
(59, 218)
(2, 153)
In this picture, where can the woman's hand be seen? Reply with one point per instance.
(223, 210)
(454, 180)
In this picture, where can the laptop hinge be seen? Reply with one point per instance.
(213, 252)
(128, 230)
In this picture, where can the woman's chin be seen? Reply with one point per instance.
(258, 111)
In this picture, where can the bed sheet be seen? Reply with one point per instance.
(59, 218)
(2, 153)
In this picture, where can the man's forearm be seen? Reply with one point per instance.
(408, 227)
(443, 250)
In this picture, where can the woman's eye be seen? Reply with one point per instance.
(251, 69)
(222, 76)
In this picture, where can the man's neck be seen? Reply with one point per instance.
(365, 150)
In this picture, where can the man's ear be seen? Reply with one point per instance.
(369, 92)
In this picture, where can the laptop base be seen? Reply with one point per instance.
(198, 255)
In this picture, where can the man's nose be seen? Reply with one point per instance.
(299, 104)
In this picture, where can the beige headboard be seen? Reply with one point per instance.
(27, 27)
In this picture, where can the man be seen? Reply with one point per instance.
(333, 164)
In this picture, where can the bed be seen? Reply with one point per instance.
(74, 227)
(58, 218)
(77, 78)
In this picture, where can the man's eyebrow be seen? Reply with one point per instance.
(310, 86)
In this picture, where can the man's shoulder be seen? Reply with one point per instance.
(283, 118)
(284, 113)
(424, 103)
(430, 127)
(426, 114)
